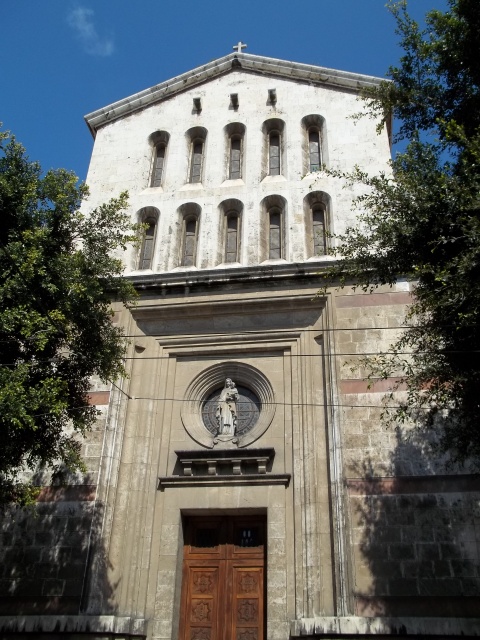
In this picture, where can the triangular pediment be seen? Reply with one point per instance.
(231, 63)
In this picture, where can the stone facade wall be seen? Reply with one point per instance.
(47, 550)
(414, 522)
(123, 155)
(416, 553)
(364, 529)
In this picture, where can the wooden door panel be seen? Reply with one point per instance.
(201, 600)
(223, 590)
(247, 602)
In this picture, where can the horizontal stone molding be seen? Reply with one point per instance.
(353, 626)
(413, 484)
(220, 276)
(373, 299)
(99, 397)
(129, 626)
(73, 493)
(165, 482)
(380, 385)
(225, 461)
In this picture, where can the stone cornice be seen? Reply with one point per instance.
(232, 62)
(229, 275)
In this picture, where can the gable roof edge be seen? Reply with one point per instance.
(247, 61)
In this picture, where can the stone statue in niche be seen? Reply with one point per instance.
(226, 412)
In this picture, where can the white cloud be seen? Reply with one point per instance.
(81, 21)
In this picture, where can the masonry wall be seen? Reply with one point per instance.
(362, 524)
(413, 520)
(48, 550)
(123, 155)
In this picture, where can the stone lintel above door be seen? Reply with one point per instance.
(247, 466)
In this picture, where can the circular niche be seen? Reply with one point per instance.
(255, 404)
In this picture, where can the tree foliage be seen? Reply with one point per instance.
(57, 281)
(423, 221)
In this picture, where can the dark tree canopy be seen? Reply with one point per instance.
(57, 281)
(424, 223)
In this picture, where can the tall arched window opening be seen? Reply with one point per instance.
(317, 209)
(189, 219)
(274, 154)
(318, 226)
(159, 141)
(231, 237)
(230, 218)
(190, 242)
(196, 139)
(234, 144)
(235, 172)
(147, 245)
(275, 235)
(314, 155)
(149, 217)
(314, 144)
(196, 162)
(273, 242)
(158, 163)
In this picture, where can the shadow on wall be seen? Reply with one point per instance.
(416, 537)
(52, 560)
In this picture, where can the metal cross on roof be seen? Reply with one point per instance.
(239, 46)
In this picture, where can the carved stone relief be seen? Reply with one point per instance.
(231, 403)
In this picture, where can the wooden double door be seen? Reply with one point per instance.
(223, 589)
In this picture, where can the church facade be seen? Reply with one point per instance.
(241, 483)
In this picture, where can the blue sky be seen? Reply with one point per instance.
(65, 58)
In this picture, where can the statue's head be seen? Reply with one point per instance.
(228, 382)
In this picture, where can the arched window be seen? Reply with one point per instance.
(273, 157)
(190, 221)
(196, 138)
(273, 244)
(230, 212)
(274, 153)
(318, 226)
(158, 163)
(234, 140)
(190, 242)
(231, 237)
(149, 217)
(317, 211)
(197, 161)
(159, 141)
(314, 152)
(235, 172)
(314, 142)
(275, 235)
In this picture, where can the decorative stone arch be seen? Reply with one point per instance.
(316, 202)
(213, 378)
